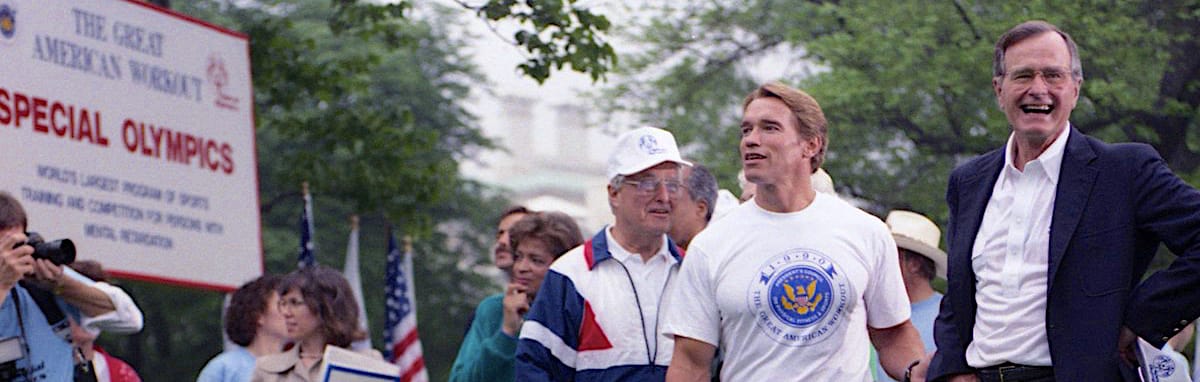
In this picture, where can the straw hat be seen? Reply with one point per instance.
(822, 182)
(917, 233)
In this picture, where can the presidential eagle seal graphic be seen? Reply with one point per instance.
(800, 298)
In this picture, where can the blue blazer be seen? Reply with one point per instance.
(1114, 205)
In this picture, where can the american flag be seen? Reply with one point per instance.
(306, 257)
(400, 331)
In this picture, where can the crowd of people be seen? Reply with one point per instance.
(51, 314)
(1048, 240)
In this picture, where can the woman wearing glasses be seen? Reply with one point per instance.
(319, 310)
(487, 351)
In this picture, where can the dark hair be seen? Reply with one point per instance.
(702, 185)
(512, 210)
(90, 268)
(246, 305)
(926, 268)
(1029, 29)
(328, 295)
(11, 212)
(809, 117)
(557, 230)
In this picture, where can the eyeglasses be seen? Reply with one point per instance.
(649, 185)
(290, 302)
(1053, 77)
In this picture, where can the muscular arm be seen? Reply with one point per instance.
(898, 346)
(692, 360)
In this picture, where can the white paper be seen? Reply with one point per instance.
(343, 365)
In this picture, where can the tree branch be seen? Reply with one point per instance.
(962, 13)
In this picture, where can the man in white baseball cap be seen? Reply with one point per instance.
(921, 260)
(596, 316)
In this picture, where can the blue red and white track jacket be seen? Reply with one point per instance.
(584, 324)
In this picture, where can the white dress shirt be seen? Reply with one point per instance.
(1010, 259)
(649, 280)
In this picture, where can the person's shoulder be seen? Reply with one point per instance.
(1120, 159)
(215, 368)
(490, 303)
(277, 363)
(979, 162)
(848, 212)
(495, 299)
(223, 360)
(1121, 149)
(720, 231)
(572, 261)
(736, 217)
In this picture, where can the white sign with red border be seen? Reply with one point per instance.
(129, 129)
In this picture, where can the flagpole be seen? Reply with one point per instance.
(408, 244)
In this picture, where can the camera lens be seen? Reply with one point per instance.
(59, 252)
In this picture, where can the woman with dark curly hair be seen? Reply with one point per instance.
(254, 323)
(487, 351)
(319, 310)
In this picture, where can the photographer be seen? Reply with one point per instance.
(36, 297)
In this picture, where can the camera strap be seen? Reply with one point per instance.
(49, 307)
(16, 299)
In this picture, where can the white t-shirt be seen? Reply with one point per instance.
(789, 296)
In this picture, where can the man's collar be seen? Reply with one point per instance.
(598, 249)
(1050, 160)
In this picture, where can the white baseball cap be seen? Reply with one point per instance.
(643, 148)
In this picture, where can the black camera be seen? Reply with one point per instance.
(59, 252)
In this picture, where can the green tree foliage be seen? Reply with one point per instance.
(554, 33)
(365, 102)
(906, 85)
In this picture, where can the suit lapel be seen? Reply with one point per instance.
(1075, 182)
(974, 193)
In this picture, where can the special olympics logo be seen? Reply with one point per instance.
(800, 298)
(218, 76)
(1162, 367)
(649, 145)
(8, 21)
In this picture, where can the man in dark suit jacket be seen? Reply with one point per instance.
(1049, 237)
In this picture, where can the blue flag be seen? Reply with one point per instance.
(306, 257)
